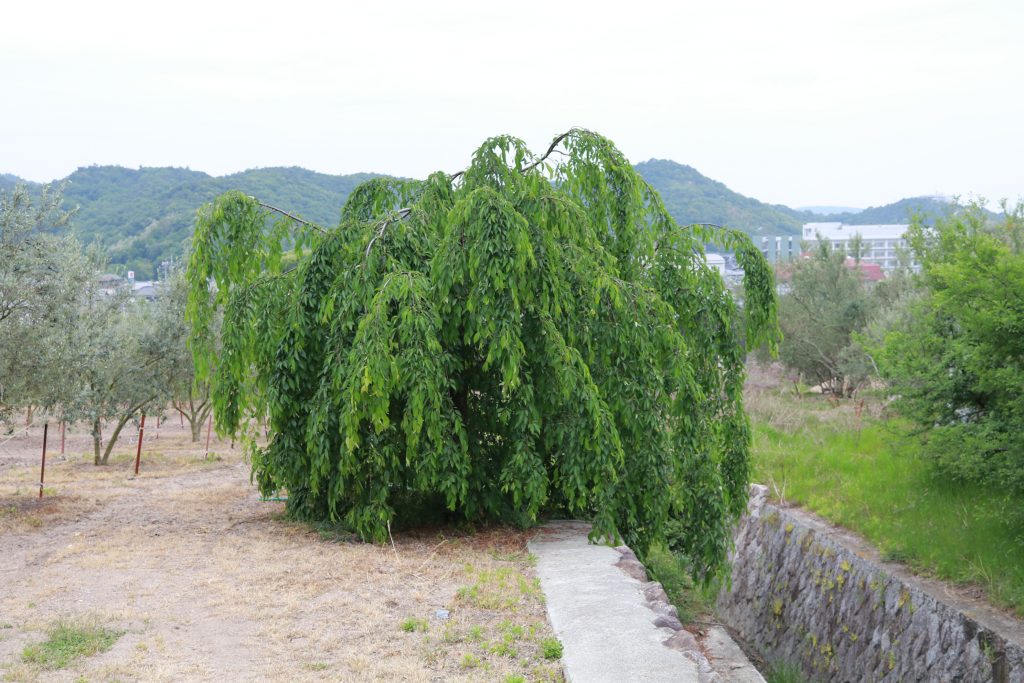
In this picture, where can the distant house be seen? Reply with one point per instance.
(146, 289)
(881, 243)
(110, 284)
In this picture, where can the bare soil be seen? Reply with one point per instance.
(208, 582)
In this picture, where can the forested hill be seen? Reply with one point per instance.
(694, 198)
(144, 216)
(897, 212)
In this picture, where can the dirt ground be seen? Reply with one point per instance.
(207, 581)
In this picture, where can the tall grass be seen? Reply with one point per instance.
(864, 473)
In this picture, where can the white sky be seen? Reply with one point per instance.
(820, 102)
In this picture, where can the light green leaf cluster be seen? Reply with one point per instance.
(519, 337)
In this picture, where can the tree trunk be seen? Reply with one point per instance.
(196, 416)
(113, 437)
(96, 441)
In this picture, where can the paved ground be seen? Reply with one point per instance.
(599, 613)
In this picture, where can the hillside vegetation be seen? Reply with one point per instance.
(144, 216)
(897, 212)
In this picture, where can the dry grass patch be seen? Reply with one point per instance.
(209, 583)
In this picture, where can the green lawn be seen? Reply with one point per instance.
(867, 477)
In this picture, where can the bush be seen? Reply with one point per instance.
(955, 365)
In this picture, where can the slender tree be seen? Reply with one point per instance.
(526, 334)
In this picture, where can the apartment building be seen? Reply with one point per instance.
(881, 243)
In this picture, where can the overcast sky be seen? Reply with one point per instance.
(842, 103)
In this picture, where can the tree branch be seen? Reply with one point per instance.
(401, 214)
(289, 215)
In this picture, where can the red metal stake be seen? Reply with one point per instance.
(63, 424)
(209, 426)
(138, 452)
(42, 467)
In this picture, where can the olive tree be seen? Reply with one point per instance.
(824, 305)
(521, 336)
(45, 276)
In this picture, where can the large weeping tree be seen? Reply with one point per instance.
(525, 335)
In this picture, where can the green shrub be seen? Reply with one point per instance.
(518, 336)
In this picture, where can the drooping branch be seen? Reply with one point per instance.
(551, 149)
(288, 215)
(401, 214)
(404, 212)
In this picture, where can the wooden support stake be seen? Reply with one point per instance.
(209, 426)
(138, 452)
(42, 467)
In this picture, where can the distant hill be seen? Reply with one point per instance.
(828, 210)
(144, 216)
(897, 212)
(694, 198)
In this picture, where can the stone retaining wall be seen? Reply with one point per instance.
(803, 594)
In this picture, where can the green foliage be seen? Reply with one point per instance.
(69, 641)
(956, 363)
(674, 574)
(784, 672)
(551, 648)
(520, 336)
(45, 277)
(125, 353)
(413, 624)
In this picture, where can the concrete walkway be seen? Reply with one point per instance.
(600, 613)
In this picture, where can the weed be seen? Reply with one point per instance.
(503, 648)
(551, 648)
(784, 672)
(470, 661)
(412, 624)
(511, 631)
(68, 641)
(672, 571)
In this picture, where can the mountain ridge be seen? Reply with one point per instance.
(144, 216)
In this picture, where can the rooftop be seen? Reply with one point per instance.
(843, 231)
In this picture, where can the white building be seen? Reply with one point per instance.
(880, 242)
(716, 261)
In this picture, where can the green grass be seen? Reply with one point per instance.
(784, 673)
(871, 480)
(67, 642)
(412, 624)
(692, 602)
